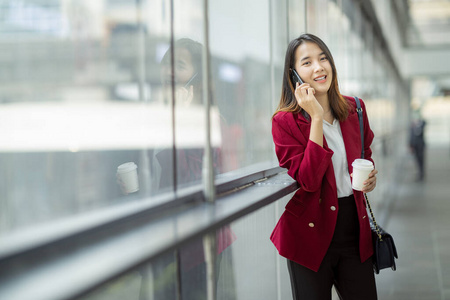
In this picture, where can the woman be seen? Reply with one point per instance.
(186, 80)
(187, 75)
(324, 232)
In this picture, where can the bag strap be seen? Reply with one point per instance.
(361, 124)
(361, 129)
(377, 229)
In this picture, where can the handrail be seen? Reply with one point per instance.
(53, 231)
(65, 259)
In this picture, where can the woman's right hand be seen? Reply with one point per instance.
(184, 95)
(305, 98)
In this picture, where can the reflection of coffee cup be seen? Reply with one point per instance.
(128, 178)
(361, 171)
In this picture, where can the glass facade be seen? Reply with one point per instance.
(91, 85)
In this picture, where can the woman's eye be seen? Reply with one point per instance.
(306, 63)
(179, 67)
(323, 58)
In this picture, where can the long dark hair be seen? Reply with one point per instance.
(288, 102)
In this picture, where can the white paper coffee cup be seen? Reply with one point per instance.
(127, 174)
(361, 171)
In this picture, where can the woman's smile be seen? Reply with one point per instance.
(321, 79)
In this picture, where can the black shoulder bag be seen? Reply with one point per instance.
(384, 249)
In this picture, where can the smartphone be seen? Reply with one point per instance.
(190, 80)
(296, 78)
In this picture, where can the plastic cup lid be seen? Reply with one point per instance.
(362, 164)
(126, 167)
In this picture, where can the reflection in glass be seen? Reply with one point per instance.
(184, 81)
(241, 74)
(180, 272)
(90, 95)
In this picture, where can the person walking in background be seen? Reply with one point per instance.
(324, 231)
(417, 142)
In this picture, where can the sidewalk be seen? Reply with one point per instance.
(419, 221)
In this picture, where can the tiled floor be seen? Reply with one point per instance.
(419, 220)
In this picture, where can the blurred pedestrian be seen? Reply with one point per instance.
(417, 142)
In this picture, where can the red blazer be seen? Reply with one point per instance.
(304, 231)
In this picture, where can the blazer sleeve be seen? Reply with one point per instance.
(305, 160)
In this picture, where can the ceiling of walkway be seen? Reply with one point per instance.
(429, 29)
(430, 20)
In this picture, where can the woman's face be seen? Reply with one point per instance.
(313, 67)
(184, 68)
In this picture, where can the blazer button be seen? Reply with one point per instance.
(333, 208)
(311, 224)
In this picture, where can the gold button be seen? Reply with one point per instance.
(333, 208)
(364, 217)
(311, 224)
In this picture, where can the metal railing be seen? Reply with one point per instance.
(55, 261)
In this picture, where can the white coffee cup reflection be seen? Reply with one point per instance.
(361, 171)
(128, 178)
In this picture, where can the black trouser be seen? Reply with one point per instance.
(419, 154)
(341, 266)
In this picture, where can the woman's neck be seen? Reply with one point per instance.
(325, 103)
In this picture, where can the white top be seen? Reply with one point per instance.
(333, 136)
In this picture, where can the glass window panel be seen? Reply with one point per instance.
(81, 96)
(156, 281)
(241, 73)
(253, 254)
(297, 18)
(343, 63)
(183, 270)
(368, 66)
(335, 42)
(280, 38)
(316, 18)
(182, 86)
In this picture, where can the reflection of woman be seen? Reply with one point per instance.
(187, 81)
(188, 265)
(187, 56)
(324, 232)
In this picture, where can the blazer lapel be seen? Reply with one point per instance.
(329, 174)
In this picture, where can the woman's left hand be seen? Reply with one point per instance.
(370, 183)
